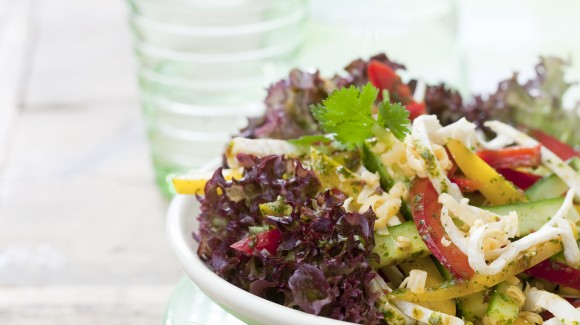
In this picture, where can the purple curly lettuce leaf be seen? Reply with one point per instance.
(310, 288)
(323, 263)
(444, 102)
(288, 103)
(538, 102)
(535, 103)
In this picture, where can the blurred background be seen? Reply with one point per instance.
(84, 156)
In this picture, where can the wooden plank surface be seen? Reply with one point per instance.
(15, 40)
(82, 237)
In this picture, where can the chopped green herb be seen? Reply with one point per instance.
(347, 113)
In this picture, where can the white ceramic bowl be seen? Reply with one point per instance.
(181, 222)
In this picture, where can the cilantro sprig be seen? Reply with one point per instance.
(347, 113)
(394, 116)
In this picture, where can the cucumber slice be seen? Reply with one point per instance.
(502, 309)
(372, 161)
(473, 307)
(388, 251)
(533, 215)
(551, 185)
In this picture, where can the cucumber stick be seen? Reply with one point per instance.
(434, 278)
(472, 307)
(551, 185)
(502, 308)
(390, 253)
(533, 215)
(373, 162)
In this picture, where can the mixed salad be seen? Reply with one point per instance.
(372, 200)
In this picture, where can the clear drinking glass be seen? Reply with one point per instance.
(422, 34)
(203, 68)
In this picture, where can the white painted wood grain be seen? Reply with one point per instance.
(84, 55)
(15, 17)
(86, 305)
(82, 237)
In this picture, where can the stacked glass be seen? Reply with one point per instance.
(203, 69)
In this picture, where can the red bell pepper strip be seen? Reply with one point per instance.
(522, 180)
(574, 301)
(556, 146)
(268, 240)
(426, 211)
(454, 167)
(415, 109)
(385, 78)
(465, 184)
(512, 157)
(556, 272)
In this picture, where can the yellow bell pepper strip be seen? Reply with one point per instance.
(194, 184)
(459, 288)
(434, 278)
(493, 186)
(334, 175)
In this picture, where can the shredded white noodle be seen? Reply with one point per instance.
(538, 300)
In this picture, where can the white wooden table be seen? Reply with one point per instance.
(81, 222)
(82, 236)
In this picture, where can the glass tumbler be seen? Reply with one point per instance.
(422, 34)
(203, 69)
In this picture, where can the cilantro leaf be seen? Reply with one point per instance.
(395, 117)
(348, 114)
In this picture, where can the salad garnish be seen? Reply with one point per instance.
(347, 114)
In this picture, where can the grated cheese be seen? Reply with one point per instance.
(516, 294)
(530, 317)
(403, 242)
(385, 205)
(396, 158)
(415, 282)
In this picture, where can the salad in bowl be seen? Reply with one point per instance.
(366, 199)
